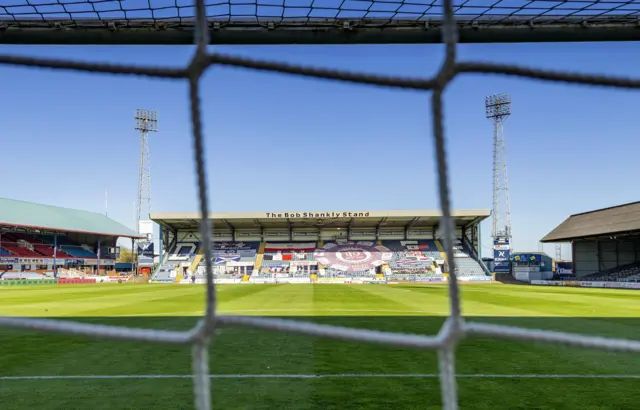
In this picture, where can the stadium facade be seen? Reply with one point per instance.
(47, 242)
(331, 245)
(605, 243)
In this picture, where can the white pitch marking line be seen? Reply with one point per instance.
(325, 376)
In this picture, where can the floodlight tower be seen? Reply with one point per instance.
(558, 251)
(498, 109)
(146, 122)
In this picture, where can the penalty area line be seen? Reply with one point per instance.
(324, 376)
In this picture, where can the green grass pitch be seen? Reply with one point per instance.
(493, 373)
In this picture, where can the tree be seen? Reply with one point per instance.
(126, 255)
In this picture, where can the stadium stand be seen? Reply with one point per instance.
(394, 244)
(237, 259)
(29, 231)
(605, 243)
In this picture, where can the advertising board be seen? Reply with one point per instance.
(501, 255)
(294, 280)
(262, 280)
(588, 284)
(226, 281)
(430, 279)
(475, 279)
(547, 282)
(564, 268)
(361, 280)
(334, 280)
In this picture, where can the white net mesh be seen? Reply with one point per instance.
(454, 329)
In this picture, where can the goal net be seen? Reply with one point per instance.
(324, 21)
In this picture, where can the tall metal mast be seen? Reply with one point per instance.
(498, 109)
(146, 122)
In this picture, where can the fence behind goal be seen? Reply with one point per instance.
(322, 21)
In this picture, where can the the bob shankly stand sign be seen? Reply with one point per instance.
(302, 215)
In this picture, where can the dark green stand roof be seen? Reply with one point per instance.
(37, 216)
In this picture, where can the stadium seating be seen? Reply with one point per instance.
(69, 247)
(40, 248)
(336, 262)
(228, 257)
(78, 252)
(47, 251)
(15, 245)
(412, 256)
(289, 251)
(466, 265)
(4, 252)
(409, 260)
(184, 252)
(619, 274)
(165, 273)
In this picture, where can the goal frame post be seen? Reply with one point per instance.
(259, 31)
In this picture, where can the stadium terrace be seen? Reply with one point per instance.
(329, 246)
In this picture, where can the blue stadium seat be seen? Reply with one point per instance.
(78, 251)
(69, 247)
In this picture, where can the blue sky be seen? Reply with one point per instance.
(280, 143)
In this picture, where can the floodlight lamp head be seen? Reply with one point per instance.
(146, 120)
(498, 107)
